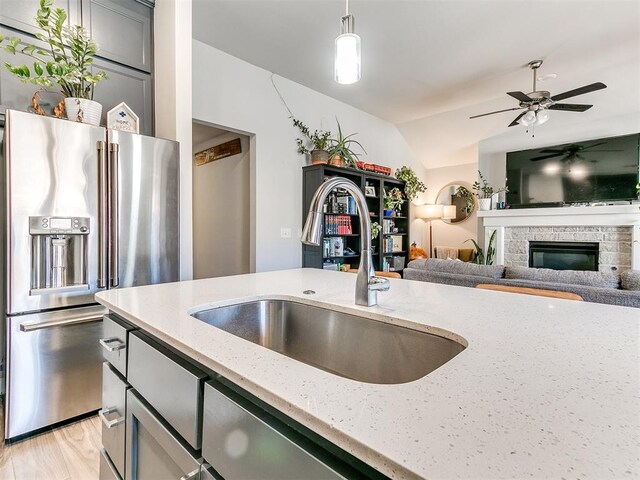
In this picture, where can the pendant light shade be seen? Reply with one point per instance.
(347, 60)
(541, 117)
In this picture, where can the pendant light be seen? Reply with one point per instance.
(347, 61)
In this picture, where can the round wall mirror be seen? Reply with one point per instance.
(459, 195)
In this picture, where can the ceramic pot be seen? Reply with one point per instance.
(484, 203)
(389, 213)
(319, 157)
(83, 110)
(336, 161)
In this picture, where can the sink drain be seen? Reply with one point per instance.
(309, 292)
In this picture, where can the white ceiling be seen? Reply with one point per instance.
(423, 57)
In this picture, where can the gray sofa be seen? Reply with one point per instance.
(598, 287)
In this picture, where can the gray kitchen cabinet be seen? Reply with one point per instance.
(20, 14)
(125, 85)
(13, 93)
(122, 28)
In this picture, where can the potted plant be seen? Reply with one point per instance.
(315, 143)
(463, 192)
(66, 61)
(393, 201)
(340, 149)
(485, 192)
(375, 230)
(412, 185)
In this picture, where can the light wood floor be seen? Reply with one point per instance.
(71, 452)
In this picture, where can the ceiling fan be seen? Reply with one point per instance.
(570, 152)
(537, 103)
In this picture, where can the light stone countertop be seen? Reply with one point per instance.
(546, 388)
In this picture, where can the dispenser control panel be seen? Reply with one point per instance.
(59, 225)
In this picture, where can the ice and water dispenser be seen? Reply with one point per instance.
(58, 254)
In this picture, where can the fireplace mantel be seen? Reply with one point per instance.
(584, 216)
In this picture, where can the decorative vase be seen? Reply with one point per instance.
(83, 110)
(336, 161)
(319, 157)
(388, 213)
(484, 203)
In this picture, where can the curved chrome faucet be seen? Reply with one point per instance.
(367, 284)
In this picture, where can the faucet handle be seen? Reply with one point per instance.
(379, 284)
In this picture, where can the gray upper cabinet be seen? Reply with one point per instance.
(125, 85)
(122, 28)
(13, 93)
(20, 14)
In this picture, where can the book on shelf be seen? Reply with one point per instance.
(337, 225)
(392, 243)
(333, 247)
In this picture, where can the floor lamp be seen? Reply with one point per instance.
(429, 212)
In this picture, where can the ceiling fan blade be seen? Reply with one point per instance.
(520, 96)
(579, 91)
(515, 121)
(544, 157)
(552, 150)
(497, 111)
(570, 107)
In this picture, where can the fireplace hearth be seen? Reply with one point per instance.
(564, 255)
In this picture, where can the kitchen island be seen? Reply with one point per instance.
(546, 388)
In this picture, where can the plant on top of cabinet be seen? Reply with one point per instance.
(315, 143)
(65, 61)
(393, 200)
(340, 150)
(412, 184)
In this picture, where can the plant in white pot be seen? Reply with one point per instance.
(66, 61)
(485, 192)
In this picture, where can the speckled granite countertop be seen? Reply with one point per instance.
(546, 388)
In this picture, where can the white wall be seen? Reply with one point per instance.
(234, 94)
(172, 92)
(450, 235)
(221, 212)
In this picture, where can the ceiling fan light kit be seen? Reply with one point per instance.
(538, 103)
(348, 57)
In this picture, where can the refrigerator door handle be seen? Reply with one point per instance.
(32, 326)
(103, 214)
(113, 195)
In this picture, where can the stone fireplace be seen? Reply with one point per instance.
(614, 228)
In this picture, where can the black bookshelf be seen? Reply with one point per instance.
(315, 257)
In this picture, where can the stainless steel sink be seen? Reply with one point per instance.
(347, 345)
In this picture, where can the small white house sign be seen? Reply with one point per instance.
(121, 117)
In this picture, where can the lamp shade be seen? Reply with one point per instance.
(347, 61)
(429, 211)
(528, 118)
(449, 212)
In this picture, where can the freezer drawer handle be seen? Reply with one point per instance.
(109, 423)
(191, 475)
(32, 326)
(110, 345)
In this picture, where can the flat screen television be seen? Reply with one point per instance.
(604, 170)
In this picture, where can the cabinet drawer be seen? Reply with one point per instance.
(112, 414)
(172, 386)
(239, 444)
(114, 342)
(107, 469)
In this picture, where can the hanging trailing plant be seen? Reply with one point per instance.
(412, 184)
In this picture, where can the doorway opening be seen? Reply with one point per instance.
(221, 202)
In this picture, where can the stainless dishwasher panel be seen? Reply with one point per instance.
(154, 451)
(112, 414)
(240, 445)
(114, 342)
(173, 386)
(107, 469)
(54, 368)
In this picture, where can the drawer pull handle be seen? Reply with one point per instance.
(191, 475)
(109, 423)
(110, 344)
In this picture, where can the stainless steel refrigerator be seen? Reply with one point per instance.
(85, 209)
